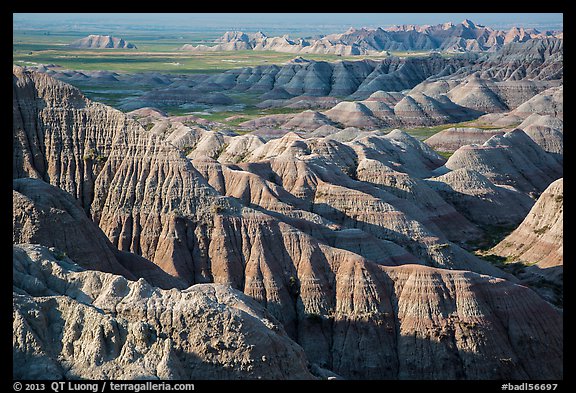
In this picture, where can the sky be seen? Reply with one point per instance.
(286, 21)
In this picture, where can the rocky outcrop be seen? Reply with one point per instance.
(464, 36)
(94, 41)
(539, 59)
(357, 79)
(240, 147)
(539, 238)
(44, 214)
(429, 103)
(547, 131)
(541, 118)
(292, 180)
(451, 139)
(400, 151)
(427, 323)
(549, 102)
(333, 258)
(480, 200)
(308, 120)
(512, 159)
(71, 323)
(536, 246)
(433, 205)
(60, 136)
(489, 95)
(444, 90)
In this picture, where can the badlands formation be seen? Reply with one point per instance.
(464, 36)
(94, 41)
(324, 244)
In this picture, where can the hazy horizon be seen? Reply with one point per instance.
(319, 23)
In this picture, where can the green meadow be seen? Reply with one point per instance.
(155, 53)
(158, 52)
(423, 133)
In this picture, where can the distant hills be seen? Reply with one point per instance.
(292, 245)
(462, 37)
(102, 42)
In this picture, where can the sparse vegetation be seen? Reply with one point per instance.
(423, 133)
(293, 287)
(240, 157)
(187, 149)
(493, 234)
(541, 231)
(351, 170)
(92, 155)
(153, 55)
(494, 259)
(317, 250)
(509, 264)
(220, 150)
(217, 209)
(436, 247)
(89, 154)
(445, 154)
(58, 254)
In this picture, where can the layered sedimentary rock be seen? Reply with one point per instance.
(60, 136)
(71, 323)
(547, 131)
(431, 103)
(444, 90)
(549, 102)
(534, 60)
(464, 36)
(229, 336)
(492, 95)
(480, 200)
(540, 59)
(282, 222)
(375, 112)
(308, 120)
(318, 78)
(94, 41)
(541, 118)
(451, 139)
(425, 106)
(539, 238)
(46, 215)
(537, 245)
(240, 147)
(512, 159)
(295, 175)
(418, 192)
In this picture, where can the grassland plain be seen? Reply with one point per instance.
(154, 54)
(175, 62)
(158, 52)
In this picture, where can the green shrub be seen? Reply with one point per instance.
(541, 231)
(59, 255)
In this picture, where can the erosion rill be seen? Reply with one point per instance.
(278, 229)
(321, 236)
